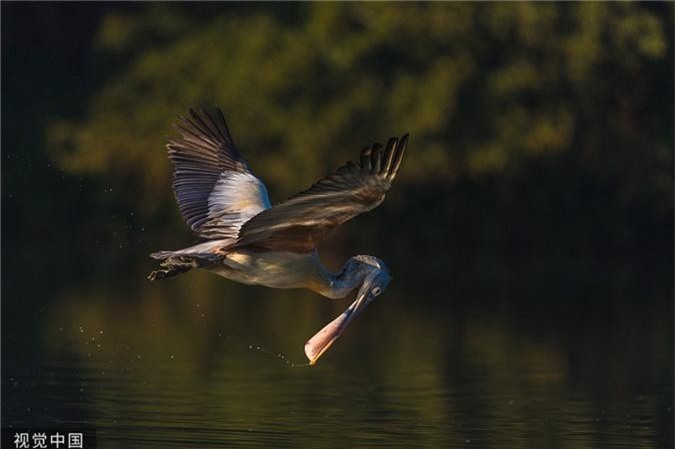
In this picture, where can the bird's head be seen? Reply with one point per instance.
(375, 278)
(375, 274)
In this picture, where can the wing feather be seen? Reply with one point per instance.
(215, 190)
(301, 222)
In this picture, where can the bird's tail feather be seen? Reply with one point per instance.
(161, 255)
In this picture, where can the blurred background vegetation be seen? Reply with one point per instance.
(538, 130)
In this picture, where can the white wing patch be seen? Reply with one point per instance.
(238, 191)
(235, 199)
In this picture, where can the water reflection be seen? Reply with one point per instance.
(198, 361)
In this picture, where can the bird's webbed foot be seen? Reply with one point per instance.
(159, 274)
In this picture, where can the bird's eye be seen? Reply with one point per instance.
(377, 291)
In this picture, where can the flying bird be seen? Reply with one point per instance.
(247, 240)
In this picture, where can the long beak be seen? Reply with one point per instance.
(322, 340)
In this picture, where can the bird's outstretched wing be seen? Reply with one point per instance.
(215, 190)
(300, 222)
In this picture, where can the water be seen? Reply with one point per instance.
(490, 357)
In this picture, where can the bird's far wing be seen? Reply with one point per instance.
(300, 222)
(215, 190)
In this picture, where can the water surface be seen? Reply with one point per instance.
(486, 357)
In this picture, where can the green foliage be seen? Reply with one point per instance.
(484, 90)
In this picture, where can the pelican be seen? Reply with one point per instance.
(246, 239)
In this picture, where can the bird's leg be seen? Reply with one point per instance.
(176, 265)
(173, 271)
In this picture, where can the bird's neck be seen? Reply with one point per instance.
(339, 285)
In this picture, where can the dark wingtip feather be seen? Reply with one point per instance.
(213, 121)
(202, 125)
(400, 151)
(365, 160)
(376, 158)
(389, 154)
(221, 116)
